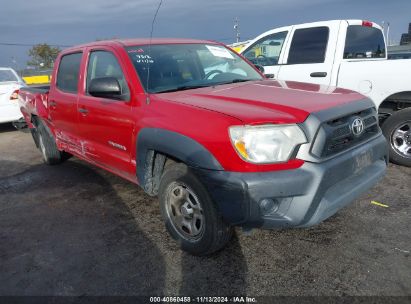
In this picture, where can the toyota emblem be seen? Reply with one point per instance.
(357, 126)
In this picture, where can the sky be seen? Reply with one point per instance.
(73, 22)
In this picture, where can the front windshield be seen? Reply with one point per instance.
(7, 76)
(176, 67)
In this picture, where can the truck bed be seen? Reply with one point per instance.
(33, 99)
(36, 89)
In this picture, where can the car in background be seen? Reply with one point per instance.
(10, 84)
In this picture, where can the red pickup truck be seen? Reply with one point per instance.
(198, 125)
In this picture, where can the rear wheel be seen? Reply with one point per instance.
(47, 145)
(397, 130)
(189, 213)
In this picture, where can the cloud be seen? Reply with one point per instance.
(77, 21)
(45, 12)
(51, 12)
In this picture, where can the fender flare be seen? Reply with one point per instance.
(173, 144)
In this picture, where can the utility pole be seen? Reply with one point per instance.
(14, 61)
(237, 29)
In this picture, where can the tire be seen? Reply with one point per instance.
(47, 145)
(189, 214)
(397, 131)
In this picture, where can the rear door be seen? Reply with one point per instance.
(106, 125)
(62, 100)
(309, 57)
(364, 67)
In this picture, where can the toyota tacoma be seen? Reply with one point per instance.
(195, 124)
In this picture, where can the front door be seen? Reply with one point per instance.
(106, 124)
(309, 57)
(266, 52)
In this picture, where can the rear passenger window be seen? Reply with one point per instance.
(68, 73)
(364, 42)
(308, 45)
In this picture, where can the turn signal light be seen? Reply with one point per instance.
(240, 145)
(14, 95)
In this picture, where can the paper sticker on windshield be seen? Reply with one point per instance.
(219, 51)
(143, 59)
(140, 50)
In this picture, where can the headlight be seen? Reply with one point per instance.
(266, 143)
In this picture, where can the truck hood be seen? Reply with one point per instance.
(266, 101)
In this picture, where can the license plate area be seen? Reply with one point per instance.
(362, 160)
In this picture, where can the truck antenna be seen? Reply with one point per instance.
(149, 49)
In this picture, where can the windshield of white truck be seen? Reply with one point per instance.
(174, 67)
(7, 76)
(364, 42)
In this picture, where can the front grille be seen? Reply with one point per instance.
(336, 135)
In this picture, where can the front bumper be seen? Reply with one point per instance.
(297, 198)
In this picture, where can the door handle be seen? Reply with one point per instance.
(83, 111)
(318, 74)
(52, 104)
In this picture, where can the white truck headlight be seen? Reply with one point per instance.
(266, 143)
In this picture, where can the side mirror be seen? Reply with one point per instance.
(275, 43)
(105, 87)
(260, 68)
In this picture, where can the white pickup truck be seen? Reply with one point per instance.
(349, 54)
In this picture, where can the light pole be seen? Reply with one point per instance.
(388, 33)
(237, 29)
(14, 61)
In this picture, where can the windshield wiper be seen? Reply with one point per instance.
(188, 87)
(234, 81)
(239, 80)
(183, 87)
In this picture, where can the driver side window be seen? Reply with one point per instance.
(267, 50)
(104, 64)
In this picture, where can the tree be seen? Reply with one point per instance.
(43, 56)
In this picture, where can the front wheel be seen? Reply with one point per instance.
(189, 213)
(397, 130)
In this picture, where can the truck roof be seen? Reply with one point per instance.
(349, 21)
(139, 41)
(311, 24)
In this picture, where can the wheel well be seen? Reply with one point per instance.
(155, 165)
(34, 120)
(393, 103)
(157, 147)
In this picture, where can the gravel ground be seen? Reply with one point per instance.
(74, 229)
